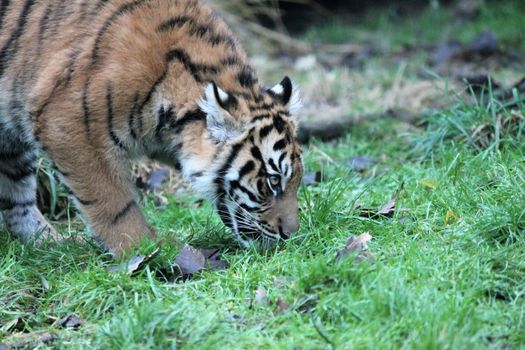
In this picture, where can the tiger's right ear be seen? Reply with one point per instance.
(287, 94)
(220, 123)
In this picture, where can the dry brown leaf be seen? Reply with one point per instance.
(355, 245)
(134, 264)
(387, 210)
(191, 260)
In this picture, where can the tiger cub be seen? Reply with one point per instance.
(94, 84)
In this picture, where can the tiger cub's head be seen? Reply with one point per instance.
(258, 166)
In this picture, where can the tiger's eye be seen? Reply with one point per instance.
(275, 180)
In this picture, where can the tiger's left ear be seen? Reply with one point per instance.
(287, 94)
(221, 125)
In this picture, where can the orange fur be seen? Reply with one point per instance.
(96, 78)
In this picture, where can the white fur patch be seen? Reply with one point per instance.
(296, 102)
(278, 89)
(220, 123)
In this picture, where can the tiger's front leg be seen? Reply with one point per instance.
(104, 196)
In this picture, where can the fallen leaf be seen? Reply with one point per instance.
(261, 297)
(387, 210)
(190, 260)
(282, 305)
(312, 178)
(134, 264)
(70, 321)
(212, 259)
(362, 163)
(428, 183)
(355, 245)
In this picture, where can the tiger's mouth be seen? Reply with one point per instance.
(249, 231)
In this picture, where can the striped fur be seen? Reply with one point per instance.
(96, 83)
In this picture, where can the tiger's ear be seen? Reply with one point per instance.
(221, 125)
(287, 94)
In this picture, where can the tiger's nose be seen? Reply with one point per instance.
(288, 227)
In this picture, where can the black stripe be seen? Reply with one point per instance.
(114, 137)
(273, 165)
(256, 153)
(80, 200)
(123, 212)
(262, 107)
(260, 186)
(131, 117)
(261, 117)
(265, 131)
(227, 164)
(164, 116)
(281, 159)
(11, 154)
(121, 11)
(213, 39)
(84, 201)
(3, 10)
(248, 208)
(173, 23)
(246, 77)
(85, 105)
(194, 69)
(279, 145)
(198, 71)
(191, 116)
(63, 173)
(100, 5)
(236, 185)
(246, 169)
(9, 204)
(19, 173)
(197, 30)
(11, 46)
(223, 213)
(279, 123)
(149, 95)
(42, 26)
(230, 61)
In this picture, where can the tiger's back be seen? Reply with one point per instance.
(94, 83)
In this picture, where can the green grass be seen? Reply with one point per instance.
(449, 273)
(438, 280)
(393, 31)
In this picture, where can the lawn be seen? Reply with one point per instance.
(447, 269)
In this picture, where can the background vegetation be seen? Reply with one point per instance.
(430, 99)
